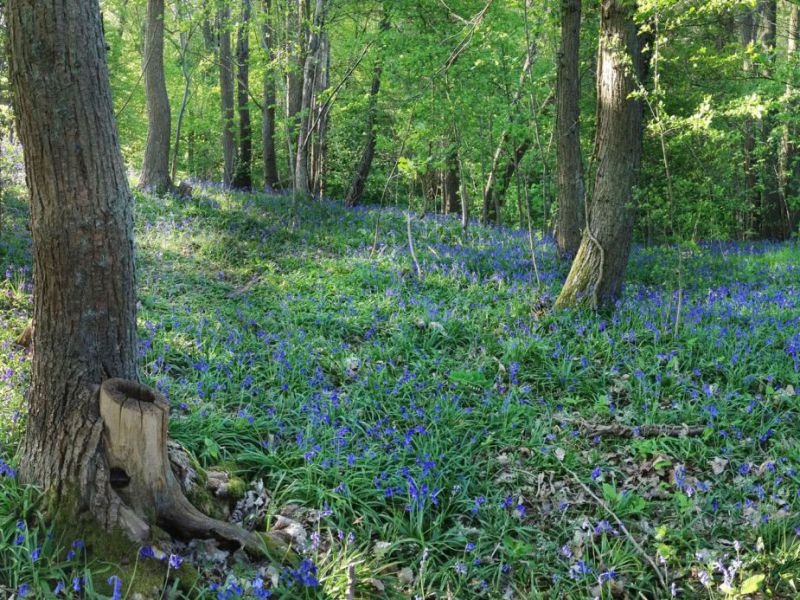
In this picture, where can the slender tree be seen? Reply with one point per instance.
(568, 147)
(226, 93)
(301, 174)
(773, 219)
(361, 172)
(747, 37)
(268, 107)
(598, 268)
(789, 164)
(155, 167)
(243, 178)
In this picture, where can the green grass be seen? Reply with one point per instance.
(298, 356)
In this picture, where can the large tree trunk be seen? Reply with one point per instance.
(271, 177)
(155, 167)
(243, 178)
(774, 220)
(301, 174)
(226, 94)
(568, 148)
(599, 266)
(94, 443)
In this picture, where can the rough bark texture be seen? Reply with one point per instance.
(243, 178)
(82, 227)
(226, 94)
(568, 148)
(155, 167)
(271, 177)
(301, 173)
(96, 440)
(597, 271)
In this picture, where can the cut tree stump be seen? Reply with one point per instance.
(135, 439)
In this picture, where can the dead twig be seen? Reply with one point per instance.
(621, 525)
(644, 431)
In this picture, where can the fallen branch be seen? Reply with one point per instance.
(644, 431)
(621, 525)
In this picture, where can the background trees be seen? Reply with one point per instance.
(719, 137)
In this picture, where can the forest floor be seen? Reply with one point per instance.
(446, 435)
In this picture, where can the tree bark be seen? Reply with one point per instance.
(568, 149)
(226, 94)
(596, 275)
(243, 177)
(155, 167)
(301, 174)
(95, 440)
(271, 177)
(82, 229)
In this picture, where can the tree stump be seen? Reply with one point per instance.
(135, 438)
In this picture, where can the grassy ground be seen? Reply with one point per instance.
(446, 427)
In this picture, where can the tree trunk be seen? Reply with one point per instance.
(155, 167)
(321, 111)
(243, 178)
(789, 164)
(450, 183)
(183, 41)
(570, 168)
(295, 16)
(271, 177)
(747, 36)
(301, 174)
(361, 173)
(599, 266)
(774, 222)
(96, 444)
(226, 94)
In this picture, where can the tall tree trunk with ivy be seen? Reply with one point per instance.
(155, 174)
(568, 147)
(597, 271)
